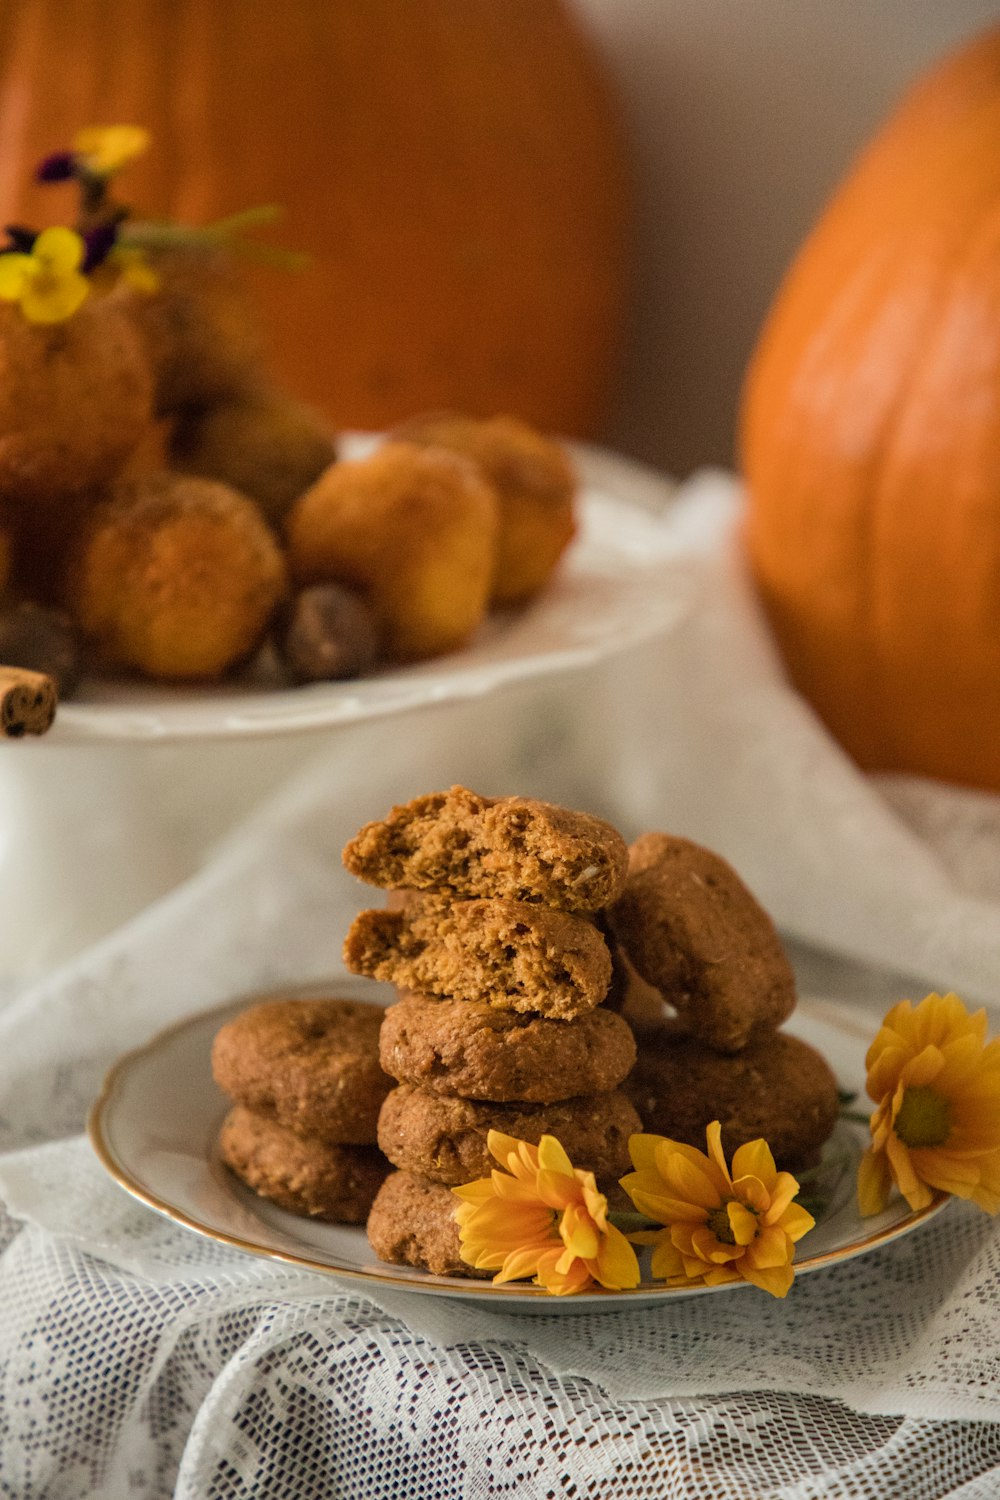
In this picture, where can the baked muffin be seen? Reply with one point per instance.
(259, 442)
(175, 577)
(535, 484)
(415, 530)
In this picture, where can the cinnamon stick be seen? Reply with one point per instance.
(27, 702)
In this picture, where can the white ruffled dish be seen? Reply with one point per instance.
(154, 1128)
(618, 585)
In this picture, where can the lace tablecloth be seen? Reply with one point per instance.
(138, 1359)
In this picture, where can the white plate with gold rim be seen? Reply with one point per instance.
(154, 1128)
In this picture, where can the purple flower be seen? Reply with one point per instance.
(19, 239)
(59, 166)
(98, 243)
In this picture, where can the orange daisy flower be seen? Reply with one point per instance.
(719, 1225)
(542, 1218)
(936, 1084)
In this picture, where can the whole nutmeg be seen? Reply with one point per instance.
(327, 633)
(42, 640)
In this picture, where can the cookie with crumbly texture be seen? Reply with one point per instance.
(691, 928)
(509, 954)
(301, 1174)
(444, 1139)
(778, 1088)
(458, 843)
(310, 1065)
(469, 1050)
(412, 1223)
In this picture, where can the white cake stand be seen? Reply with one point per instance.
(92, 818)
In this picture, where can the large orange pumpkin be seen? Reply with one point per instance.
(454, 167)
(871, 439)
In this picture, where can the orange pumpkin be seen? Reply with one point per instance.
(454, 167)
(871, 440)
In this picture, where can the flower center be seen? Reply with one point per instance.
(923, 1119)
(718, 1223)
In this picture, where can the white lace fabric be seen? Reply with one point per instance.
(138, 1359)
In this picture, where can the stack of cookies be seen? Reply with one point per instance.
(306, 1084)
(491, 939)
(688, 935)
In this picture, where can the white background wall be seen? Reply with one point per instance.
(743, 115)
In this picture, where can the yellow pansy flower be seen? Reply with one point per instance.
(46, 281)
(719, 1225)
(542, 1218)
(105, 149)
(936, 1084)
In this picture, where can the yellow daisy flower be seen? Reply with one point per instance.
(936, 1084)
(542, 1218)
(47, 281)
(719, 1225)
(105, 149)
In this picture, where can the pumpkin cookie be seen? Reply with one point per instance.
(468, 1049)
(444, 1139)
(535, 485)
(412, 1223)
(778, 1087)
(412, 528)
(310, 1065)
(690, 927)
(304, 1176)
(458, 843)
(174, 576)
(506, 953)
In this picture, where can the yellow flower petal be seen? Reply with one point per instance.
(667, 1260)
(107, 148)
(475, 1192)
(58, 249)
(689, 1182)
(874, 1183)
(784, 1190)
(14, 272)
(770, 1248)
(754, 1160)
(752, 1193)
(519, 1264)
(642, 1150)
(776, 1280)
(552, 1157)
(616, 1266)
(655, 1205)
(922, 1069)
(44, 302)
(742, 1222)
(916, 1193)
(795, 1222)
(579, 1233)
(713, 1135)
